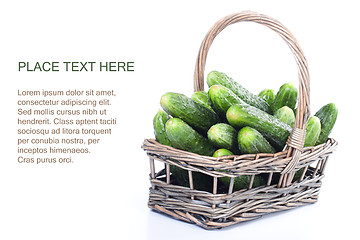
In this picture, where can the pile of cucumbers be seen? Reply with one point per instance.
(228, 120)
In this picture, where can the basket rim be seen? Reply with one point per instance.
(235, 164)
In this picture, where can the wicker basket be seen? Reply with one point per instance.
(225, 207)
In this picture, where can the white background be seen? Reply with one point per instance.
(104, 196)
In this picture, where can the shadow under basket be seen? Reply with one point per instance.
(290, 178)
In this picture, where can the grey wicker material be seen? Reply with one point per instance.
(232, 208)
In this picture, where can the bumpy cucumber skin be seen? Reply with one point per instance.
(327, 115)
(218, 78)
(286, 115)
(190, 111)
(223, 135)
(251, 141)
(201, 181)
(221, 98)
(268, 95)
(222, 152)
(274, 130)
(159, 122)
(202, 98)
(286, 96)
(313, 129)
(184, 137)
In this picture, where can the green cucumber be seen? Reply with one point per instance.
(274, 130)
(184, 137)
(218, 78)
(222, 152)
(286, 96)
(327, 115)
(251, 141)
(286, 115)
(159, 122)
(201, 181)
(268, 95)
(190, 111)
(298, 174)
(313, 129)
(243, 181)
(223, 135)
(240, 182)
(221, 98)
(202, 98)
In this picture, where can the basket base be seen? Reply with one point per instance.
(210, 224)
(214, 211)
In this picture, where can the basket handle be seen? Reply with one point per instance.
(295, 141)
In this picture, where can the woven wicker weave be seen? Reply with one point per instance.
(220, 207)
